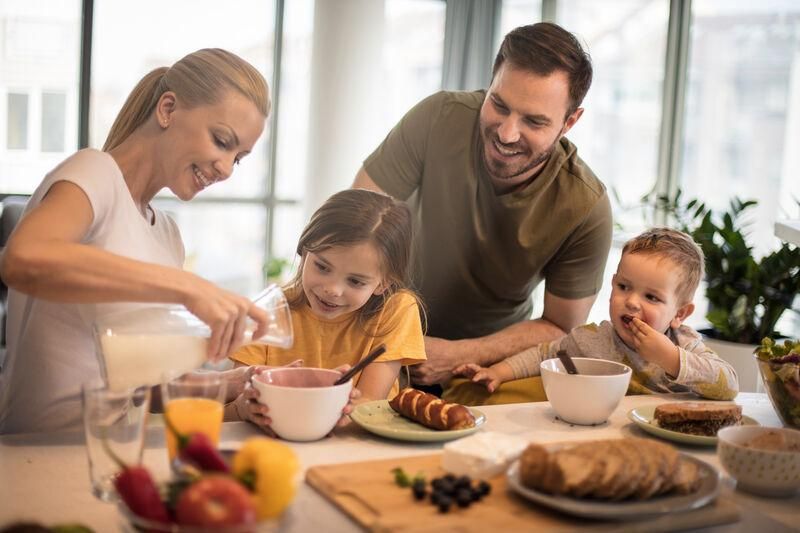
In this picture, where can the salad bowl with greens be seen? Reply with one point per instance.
(780, 370)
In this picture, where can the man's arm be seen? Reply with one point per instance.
(560, 315)
(363, 181)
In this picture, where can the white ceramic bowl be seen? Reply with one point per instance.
(304, 405)
(589, 397)
(767, 472)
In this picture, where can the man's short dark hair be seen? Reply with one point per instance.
(544, 48)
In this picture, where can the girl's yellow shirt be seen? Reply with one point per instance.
(331, 343)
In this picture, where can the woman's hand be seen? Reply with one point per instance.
(226, 313)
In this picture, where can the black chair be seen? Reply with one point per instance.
(12, 208)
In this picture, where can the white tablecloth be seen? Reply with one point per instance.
(45, 478)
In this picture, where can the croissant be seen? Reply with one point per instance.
(431, 411)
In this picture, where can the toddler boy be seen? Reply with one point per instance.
(652, 295)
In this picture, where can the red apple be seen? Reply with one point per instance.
(215, 501)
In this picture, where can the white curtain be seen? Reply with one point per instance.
(468, 43)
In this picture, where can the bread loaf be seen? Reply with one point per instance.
(430, 411)
(616, 469)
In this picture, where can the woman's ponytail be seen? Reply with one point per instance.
(200, 78)
(137, 107)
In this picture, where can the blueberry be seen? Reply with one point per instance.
(464, 497)
(419, 492)
(418, 482)
(444, 504)
(463, 482)
(484, 488)
(436, 496)
(436, 483)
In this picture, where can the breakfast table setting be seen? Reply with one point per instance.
(346, 483)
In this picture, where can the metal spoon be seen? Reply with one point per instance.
(566, 360)
(361, 364)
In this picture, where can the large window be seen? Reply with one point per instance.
(742, 118)
(412, 54)
(734, 135)
(293, 126)
(39, 66)
(232, 229)
(618, 134)
(224, 239)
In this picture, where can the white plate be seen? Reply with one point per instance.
(645, 419)
(624, 510)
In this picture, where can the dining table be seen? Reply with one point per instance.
(44, 476)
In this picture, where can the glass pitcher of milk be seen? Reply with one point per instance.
(136, 347)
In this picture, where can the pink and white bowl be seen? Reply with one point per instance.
(304, 404)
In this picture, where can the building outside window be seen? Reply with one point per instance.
(40, 44)
(54, 119)
(17, 122)
(742, 117)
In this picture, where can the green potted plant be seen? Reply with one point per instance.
(746, 295)
(275, 269)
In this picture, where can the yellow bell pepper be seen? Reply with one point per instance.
(273, 468)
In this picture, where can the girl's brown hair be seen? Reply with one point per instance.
(200, 78)
(356, 216)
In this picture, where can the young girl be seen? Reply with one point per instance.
(350, 294)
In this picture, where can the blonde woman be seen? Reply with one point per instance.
(90, 238)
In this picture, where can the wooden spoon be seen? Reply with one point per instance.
(566, 360)
(361, 364)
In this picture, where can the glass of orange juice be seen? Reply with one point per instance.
(193, 402)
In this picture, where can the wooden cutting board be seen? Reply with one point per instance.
(367, 493)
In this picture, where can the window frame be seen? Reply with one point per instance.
(676, 65)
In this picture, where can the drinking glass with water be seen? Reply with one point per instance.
(120, 419)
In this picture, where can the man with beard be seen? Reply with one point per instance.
(501, 202)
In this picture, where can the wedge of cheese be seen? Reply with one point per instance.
(482, 455)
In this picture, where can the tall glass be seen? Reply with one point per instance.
(115, 421)
(193, 402)
(279, 319)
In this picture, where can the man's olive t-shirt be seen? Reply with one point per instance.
(478, 256)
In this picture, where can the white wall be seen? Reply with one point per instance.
(345, 94)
